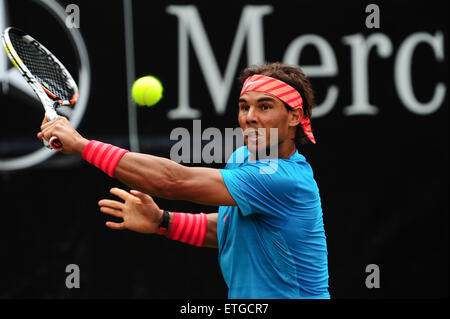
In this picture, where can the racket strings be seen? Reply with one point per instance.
(44, 69)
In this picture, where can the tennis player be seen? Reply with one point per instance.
(269, 228)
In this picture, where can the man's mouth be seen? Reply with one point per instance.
(253, 135)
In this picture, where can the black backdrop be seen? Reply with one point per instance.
(383, 177)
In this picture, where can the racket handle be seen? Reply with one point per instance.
(53, 142)
(51, 114)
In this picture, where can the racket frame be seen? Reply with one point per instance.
(49, 101)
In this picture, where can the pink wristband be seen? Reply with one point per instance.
(189, 228)
(104, 156)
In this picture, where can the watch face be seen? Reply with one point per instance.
(165, 221)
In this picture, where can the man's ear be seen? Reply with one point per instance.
(295, 117)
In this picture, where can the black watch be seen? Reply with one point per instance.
(164, 224)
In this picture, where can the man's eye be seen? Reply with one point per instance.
(265, 107)
(244, 107)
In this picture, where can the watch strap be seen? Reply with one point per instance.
(164, 226)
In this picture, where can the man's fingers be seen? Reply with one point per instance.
(111, 204)
(59, 121)
(45, 134)
(46, 123)
(111, 211)
(48, 128)
(145, 199)
(120, 193)
(117, 226)
(45, 120)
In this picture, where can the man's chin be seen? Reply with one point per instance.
(256, 149)
(252, 146)
(252, 149)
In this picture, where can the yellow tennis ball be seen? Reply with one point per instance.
(147, 91)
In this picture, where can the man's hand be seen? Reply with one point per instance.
(139, 212)
(71, 140)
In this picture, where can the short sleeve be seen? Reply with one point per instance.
(256, 190)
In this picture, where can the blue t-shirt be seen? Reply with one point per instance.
(272, 245)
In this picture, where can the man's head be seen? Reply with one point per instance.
(265, 110)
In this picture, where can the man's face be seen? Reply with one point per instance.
(258, 113)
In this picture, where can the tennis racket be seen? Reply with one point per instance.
(46, 75)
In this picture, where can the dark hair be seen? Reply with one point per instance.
(293, 76)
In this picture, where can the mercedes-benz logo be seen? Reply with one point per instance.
(10, 77)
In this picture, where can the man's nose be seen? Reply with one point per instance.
(252, 115)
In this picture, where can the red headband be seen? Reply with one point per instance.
(281, 90)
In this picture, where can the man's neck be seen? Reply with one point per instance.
(284, 151)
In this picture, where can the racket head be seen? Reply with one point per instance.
(48, 77)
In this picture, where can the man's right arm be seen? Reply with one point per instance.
(211, 230)
(140, 213)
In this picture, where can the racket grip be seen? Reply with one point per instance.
(53, 142)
